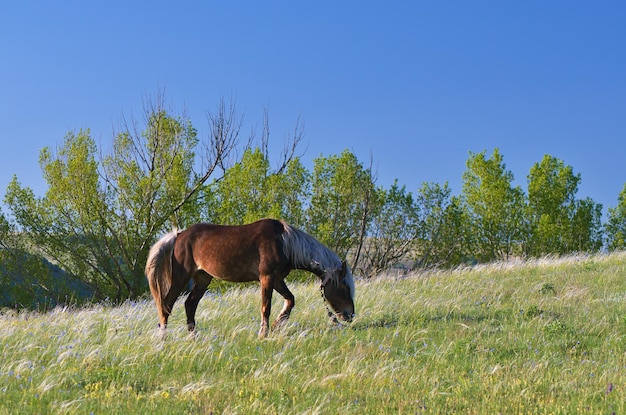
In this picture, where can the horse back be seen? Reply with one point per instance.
(233, 253)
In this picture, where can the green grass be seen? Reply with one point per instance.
(547, 337)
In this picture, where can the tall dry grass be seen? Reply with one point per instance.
(545, 336)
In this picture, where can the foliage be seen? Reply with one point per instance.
(586, 230)
(27, 279)
(65, 224)
(487, 340)
(250, 191)
(552, 187)
(495, 208)
(99, 217)
(341, 203)
(102, 211)
(616, 224)
(150, 173)
(559, 223)
(392, 231)
(443, 227)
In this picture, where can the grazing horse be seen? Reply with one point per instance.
(264, 251)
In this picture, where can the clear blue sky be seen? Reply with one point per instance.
(418, 84)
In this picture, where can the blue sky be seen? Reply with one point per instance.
(417, 84)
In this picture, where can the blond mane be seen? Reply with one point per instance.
(306, 252)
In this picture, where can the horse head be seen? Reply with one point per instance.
(338, 290)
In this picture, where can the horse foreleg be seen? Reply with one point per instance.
(281, 288)
(267, 286)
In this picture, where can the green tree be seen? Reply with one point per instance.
(586, 227)
(615, 226)
(552, 188)
(340, 207)
(496, 209)
(443, 227)
(250, 190)
(24, 277)
(558, 222)
(65, 223)
(392, 231)
(28, 280)
(239, 196)
(289, 188)
(98, 219)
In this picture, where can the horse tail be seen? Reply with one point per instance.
(159, 272)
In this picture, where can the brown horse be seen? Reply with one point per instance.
(264, 251)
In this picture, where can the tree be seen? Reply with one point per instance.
(615, 226)
(442, 227)
(65, 223)
(289, 189)
(99, 218)
(250, 190)
(392, 231)
(552, 187)
(340, 207)
(586, 228)
(28, 280)
(495, 207)
(558, 222)
(238, 197)
(24, 278)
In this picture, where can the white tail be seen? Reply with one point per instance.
(159, 272)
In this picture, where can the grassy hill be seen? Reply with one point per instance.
(544, 337)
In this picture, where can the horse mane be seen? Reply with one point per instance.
(304, 251)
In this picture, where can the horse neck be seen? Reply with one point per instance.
(311, 268)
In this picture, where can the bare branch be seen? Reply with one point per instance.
(368, 193)
(265, 135)
(224, 126)
(291, 145)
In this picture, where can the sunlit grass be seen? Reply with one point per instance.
(543, 337)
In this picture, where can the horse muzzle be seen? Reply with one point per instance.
(344, 316)
(347, 316)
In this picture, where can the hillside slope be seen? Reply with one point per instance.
(541, 337)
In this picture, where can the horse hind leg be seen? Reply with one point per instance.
(267, 287)
(201, 282)
(283, 316)
(167, 305)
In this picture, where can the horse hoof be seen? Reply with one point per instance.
(280, 323)
(162, 333)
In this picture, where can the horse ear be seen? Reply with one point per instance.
(344, 268)
(325, 280)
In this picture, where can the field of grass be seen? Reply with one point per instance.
(547, 337)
